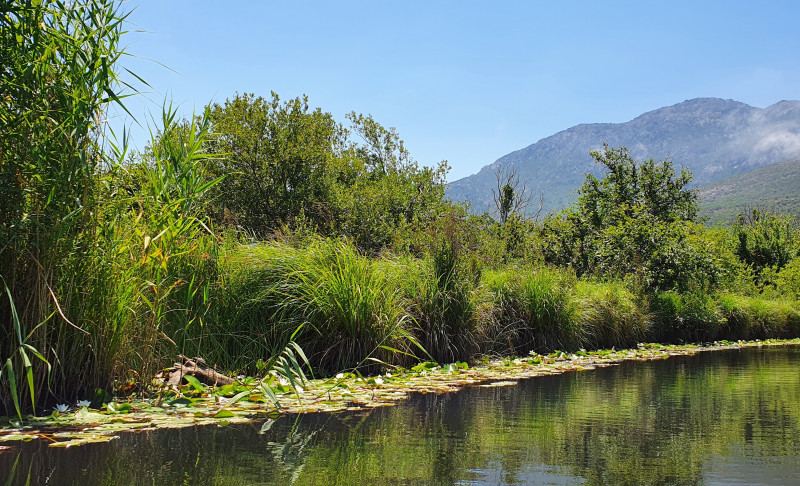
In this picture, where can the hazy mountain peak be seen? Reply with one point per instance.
(713, 137)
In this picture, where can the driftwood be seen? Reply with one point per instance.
(196, 367)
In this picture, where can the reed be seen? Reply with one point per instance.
(57, 81)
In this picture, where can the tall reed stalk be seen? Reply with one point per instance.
(57, 79)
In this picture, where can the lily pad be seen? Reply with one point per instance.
(498, 384)
(93, 439)
(18, 437)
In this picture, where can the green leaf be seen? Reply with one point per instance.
(194, 383)
(12, 385)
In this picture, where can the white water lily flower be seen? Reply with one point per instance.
(388, 375)
(61, 407)
(339, 376)
(84, 403)
(379, 381)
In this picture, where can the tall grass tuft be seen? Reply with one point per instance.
(352, 314)
(610, 315)
(685, 317)
(758, 318)
(534, 310)
(442, 303)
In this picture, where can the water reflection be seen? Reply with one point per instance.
(716, 418)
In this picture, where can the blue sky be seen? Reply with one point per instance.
(461, 80)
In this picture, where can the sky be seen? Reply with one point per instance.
(462, 81)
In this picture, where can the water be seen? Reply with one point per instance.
(730, 417)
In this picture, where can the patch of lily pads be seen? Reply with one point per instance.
(252, 399)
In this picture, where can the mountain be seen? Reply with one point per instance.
(714, 138)
(775, 188)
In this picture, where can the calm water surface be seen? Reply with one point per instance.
(730, 417)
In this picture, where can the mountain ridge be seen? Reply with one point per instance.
(712, 137)
(774, 187)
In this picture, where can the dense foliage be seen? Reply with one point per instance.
(262, 221)
(638, 220)
(286, 165)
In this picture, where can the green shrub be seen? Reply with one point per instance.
(765, 240)
(787, 280)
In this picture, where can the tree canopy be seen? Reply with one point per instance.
(635, 220)
(284, 163)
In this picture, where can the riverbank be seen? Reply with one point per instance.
(194, 404)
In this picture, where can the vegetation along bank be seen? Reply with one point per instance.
(271, 240)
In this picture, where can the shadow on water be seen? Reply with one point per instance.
(715, 418)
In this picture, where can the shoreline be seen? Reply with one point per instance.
(344, 393)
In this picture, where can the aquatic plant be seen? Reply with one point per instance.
(20, 355)
(58, 79)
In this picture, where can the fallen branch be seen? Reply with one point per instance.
(196, 367)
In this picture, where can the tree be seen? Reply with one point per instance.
(766, 241)
(285, 164)
(382, 191)
(511, 195)
(638, 219)
(628, 184)
(276, 157)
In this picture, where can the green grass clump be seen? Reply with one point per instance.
(442, 301)
(350, 310)
(610, 315)
(759, 318)
(685, 317)
(533, 309)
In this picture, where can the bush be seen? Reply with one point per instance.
(766, 240)
(787, 280)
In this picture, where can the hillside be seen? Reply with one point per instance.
(775, 187)
(712, 137)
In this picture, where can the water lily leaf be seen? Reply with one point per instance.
(118, 407)
(184, 402)
(224, 414)
(15, 437)
(426, 366)
(498, 384)
(84, 415)
(256, 398)
(94, 439)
